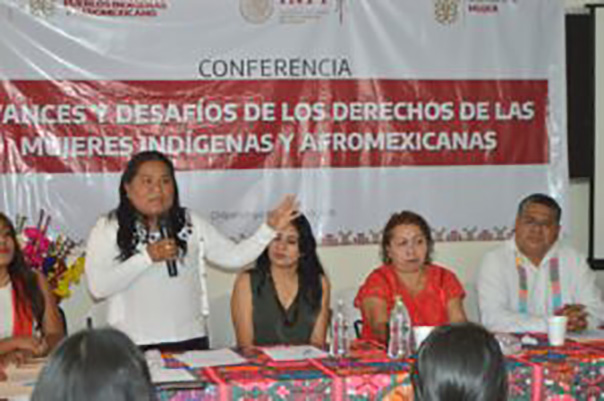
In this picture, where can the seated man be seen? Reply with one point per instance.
(533, 276)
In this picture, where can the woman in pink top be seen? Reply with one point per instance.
(432, 294)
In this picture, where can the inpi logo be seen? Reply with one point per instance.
(288, 11)
(304, 11)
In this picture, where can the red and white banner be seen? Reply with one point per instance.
(452, 108)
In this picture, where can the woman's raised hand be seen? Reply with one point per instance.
(284, 213)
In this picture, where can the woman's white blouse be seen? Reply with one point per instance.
(147, 304)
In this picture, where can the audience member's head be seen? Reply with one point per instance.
(95, 365)
(460, 362)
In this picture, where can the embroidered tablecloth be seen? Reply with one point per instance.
(570, 373)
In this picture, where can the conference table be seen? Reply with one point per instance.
(574, 371)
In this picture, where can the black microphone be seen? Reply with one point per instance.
(166, 232)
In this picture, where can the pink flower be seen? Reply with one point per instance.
(36, 247)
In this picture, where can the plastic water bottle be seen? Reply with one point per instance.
(400, 340)
(339, 328)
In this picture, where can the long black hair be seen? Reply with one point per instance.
(310, 269)
(127, 215)
(24, 279)
(95, 365)
(460, 362)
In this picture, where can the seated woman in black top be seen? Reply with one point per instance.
(285, 298)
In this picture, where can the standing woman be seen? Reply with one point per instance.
(132, 250)
(30, 323)
(285, 298)
(432, 294)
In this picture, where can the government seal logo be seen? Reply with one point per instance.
(446, 11)
(256, 11)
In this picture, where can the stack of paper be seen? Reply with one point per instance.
(294, 352)
(160, 374)
(21, 380)
(202, 359)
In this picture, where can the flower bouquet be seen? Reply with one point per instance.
(58, 257)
